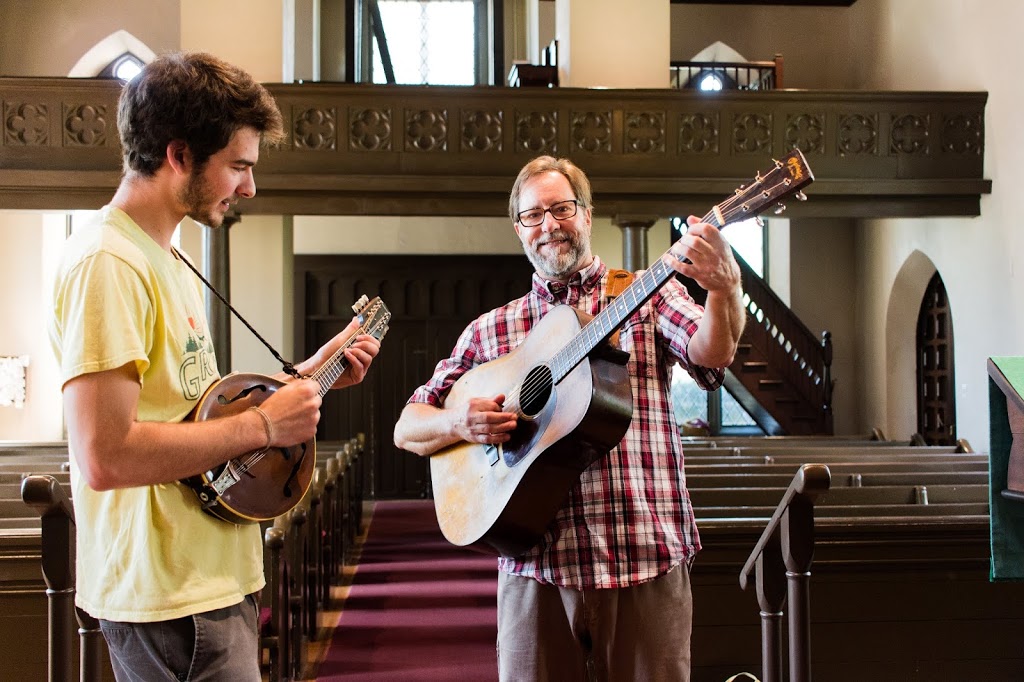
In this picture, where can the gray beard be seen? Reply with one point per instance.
(562, 266)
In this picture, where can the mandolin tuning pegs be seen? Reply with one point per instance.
(360, 304)
(800, 196)
(780, 209)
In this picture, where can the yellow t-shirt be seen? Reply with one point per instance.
(146, 553)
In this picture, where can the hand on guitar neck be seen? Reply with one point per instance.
(704, 255)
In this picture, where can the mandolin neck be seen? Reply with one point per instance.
(329, 372)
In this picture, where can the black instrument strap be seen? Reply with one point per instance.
(288, 367)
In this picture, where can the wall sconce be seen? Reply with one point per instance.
(12, 380)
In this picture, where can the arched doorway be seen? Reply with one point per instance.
(936, 396)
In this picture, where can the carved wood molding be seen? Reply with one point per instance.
(412, 150)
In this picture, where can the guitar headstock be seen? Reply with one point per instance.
(788, 176)
(373, 316)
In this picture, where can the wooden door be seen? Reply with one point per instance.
(431, 299)
(936, 399)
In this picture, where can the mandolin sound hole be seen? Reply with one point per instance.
(536, 391)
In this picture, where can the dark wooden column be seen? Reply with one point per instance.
(634, 239)
(217, 270)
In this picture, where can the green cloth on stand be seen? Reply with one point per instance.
(1006, 516)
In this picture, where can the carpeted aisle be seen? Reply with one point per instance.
(419, 608)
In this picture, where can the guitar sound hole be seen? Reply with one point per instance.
(535, 391)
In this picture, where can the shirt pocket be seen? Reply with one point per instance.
(636, 336)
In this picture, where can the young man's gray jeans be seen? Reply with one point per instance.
(216, 645)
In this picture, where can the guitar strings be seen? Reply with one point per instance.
(541, 383)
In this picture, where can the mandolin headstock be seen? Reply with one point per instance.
(373, 316)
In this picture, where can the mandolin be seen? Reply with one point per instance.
(261, 485)
(571, 392)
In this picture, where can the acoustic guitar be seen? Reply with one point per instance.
(261, 485)
(571, 392)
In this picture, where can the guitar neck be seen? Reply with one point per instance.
(786, 177)
(612, 317)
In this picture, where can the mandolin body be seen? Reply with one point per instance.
(274, 481)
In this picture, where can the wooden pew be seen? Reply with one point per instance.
(867, 477)
(893, 575)
(275, 620)
(875, 438)
(806, 453)
(305, 551)
(845, 497)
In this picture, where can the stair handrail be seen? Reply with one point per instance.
(47, 497)
(790, 346)
(780, 563)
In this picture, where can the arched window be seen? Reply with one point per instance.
(112, 56)
(124, 67)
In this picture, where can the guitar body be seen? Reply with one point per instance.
(501, 500)
(273, 481)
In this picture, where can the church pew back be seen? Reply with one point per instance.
(867, 477)
(845, 496)
(839, 468)
(856, 513)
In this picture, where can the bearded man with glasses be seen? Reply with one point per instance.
(605, 593)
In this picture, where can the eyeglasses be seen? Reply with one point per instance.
(532, 217)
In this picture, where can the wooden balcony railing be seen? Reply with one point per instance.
(361, 149)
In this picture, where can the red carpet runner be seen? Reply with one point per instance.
(419, 608)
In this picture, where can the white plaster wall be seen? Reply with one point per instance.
(816, 42)
(247, 33)
(26, 280)
(262, 291)
(945, 45)
(404, 235)
(48, 37)
(418, 235)
(613, 44)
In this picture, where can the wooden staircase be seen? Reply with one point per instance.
(782, 373)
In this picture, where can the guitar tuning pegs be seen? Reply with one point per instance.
(760, 222)
(800, 196)
(780, 209)
(360, 304)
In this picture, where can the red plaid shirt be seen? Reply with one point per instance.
(629, 518)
